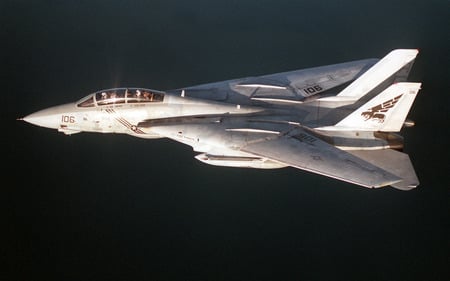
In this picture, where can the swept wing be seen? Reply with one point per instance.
(304, 151)
(288, 145)
(285, 87)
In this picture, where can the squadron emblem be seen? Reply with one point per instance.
(378, 112)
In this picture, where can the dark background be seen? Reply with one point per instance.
(114, 207)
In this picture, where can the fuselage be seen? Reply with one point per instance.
(120, 110)
(302, 118)
(123, 110)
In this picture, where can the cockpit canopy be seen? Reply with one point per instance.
(121, 96)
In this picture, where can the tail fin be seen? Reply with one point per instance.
(386, 112)
(392, 63)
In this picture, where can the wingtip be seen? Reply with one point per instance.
(405, 186)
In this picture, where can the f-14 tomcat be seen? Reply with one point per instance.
(340, 121)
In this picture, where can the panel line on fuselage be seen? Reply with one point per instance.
(124, 122)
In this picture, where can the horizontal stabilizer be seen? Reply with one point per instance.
(386, 112)
(395, 162)
(304, 151)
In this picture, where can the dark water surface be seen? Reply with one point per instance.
(113, 207)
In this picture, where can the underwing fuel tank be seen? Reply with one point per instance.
(240, 162)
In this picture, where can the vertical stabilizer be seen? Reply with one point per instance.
(385, 68)
(386, 112)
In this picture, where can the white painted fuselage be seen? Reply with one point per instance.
(299, 118)
(122, 115)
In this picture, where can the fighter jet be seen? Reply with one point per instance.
(340, 121)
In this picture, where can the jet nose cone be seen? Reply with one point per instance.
(43, 118)
(52, 117)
